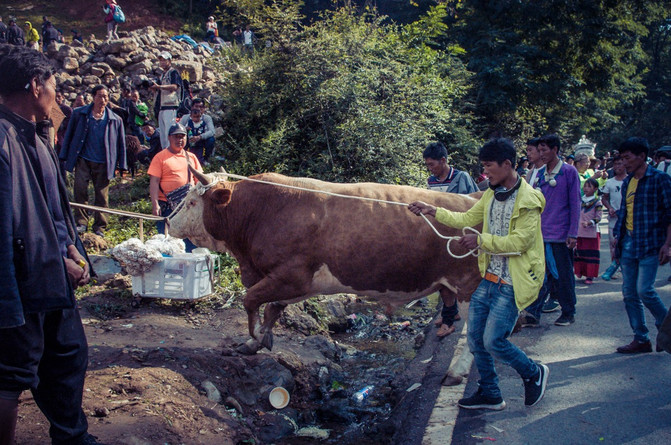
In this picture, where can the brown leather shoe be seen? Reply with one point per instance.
(635, 347)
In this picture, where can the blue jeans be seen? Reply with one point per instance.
(160, 226)
(491, 318)
(562, 288)
(638, 289)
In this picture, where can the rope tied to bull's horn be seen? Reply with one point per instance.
(202, 188)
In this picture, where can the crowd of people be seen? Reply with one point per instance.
(547, 208)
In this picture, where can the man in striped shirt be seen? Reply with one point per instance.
(445, 178)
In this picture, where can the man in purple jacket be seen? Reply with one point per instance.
(560, 185)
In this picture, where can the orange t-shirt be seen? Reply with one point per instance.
(172, 170)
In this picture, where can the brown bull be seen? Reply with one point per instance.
(293, 244)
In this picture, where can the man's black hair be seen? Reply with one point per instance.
(593, 182)
(551, 140)
(19, 65)
(498, 150)
(435, 150)
(533, 142)
(635, 145)
(99, 87)
(198, 100)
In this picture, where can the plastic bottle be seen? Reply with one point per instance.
(362, 394)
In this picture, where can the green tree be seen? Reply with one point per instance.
(346, 98)
(565, 66)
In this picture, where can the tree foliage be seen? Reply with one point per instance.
(345, 98)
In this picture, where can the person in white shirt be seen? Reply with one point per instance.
(612, 198)
(248, 40)
(534, 158)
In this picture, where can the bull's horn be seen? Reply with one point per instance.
(223, 170)
(200, 176)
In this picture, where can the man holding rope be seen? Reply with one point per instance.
(509, 212)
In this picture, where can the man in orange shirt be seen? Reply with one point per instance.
(168, 171)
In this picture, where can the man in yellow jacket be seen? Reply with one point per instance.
(512, 264)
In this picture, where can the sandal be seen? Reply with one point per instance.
(445, 330)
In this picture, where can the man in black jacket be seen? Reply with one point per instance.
(42, 260)
(15, 34)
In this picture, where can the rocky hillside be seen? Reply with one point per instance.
(87, 16)
(132, 60)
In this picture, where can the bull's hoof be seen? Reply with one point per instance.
(451, 380)
(250, 347)
(267, 340)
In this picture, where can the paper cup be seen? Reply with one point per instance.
(279, 397)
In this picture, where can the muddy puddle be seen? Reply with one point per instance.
(376, 352)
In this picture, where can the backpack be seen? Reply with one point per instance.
(118, 15)
(185, 99)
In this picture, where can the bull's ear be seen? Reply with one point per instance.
(221, 196)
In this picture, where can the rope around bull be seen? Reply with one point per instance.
(201, 189)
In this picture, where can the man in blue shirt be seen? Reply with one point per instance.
(643, 232)
(94, 146)
(445, 178)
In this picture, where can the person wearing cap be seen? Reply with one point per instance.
(151, 135)
(112, 25)
(523, 166)
(15, 35)
(167, 96)
(168, 171)
(201, 131)
(570, 160)
(49, 35)
(211, 29)
(94, 146)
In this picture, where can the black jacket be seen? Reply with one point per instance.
(32, 268)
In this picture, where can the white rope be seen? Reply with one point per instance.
(475, 252)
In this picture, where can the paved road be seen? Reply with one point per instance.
(594, 395)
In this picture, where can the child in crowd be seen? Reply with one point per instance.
(586, 260)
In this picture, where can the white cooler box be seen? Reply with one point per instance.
(186, 276)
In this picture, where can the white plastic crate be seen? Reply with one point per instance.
(185, 276)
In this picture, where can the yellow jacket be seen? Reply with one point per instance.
(32, 35)
(528, 269)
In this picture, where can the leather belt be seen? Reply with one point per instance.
(495, 278)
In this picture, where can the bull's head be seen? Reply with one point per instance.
(189, 222)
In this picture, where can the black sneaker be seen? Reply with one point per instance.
(480, 401)
(534, 388)
(565, 320)
(551, 305)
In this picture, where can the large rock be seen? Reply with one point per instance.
(116, 62)
(90, 80)
(70, 64)
(194, 69)
(66, 51)
(143, 67)
(125, 45)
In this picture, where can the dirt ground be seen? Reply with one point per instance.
(145, 369)
(147, 366)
